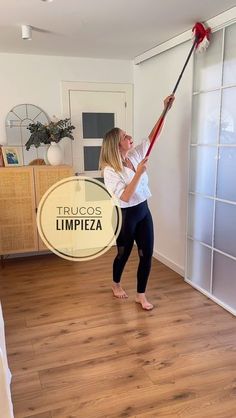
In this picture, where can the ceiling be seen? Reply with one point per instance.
(117, 29)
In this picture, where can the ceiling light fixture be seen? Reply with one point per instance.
(47, 1)
(26, 32)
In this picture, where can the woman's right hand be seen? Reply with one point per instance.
(131, 187)
(142, 166)
(168, 101)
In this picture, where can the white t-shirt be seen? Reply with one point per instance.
(117, 182)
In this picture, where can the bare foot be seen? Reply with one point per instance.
(141, 298)
(118, 291)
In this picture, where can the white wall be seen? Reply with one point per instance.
(36, 79)
(168, 172)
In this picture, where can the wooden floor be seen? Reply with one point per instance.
(75, 351)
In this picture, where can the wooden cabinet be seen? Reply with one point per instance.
(21, 189)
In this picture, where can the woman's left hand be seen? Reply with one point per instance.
(169, 101)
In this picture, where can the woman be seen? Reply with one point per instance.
(124, 169)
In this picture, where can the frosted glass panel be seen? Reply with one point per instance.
(208, 65)
(230, 56)
(203, 163)
(225, 228)
(228, 116)
(224, 279)
(91, 158)
(206, 115)
(199, 264)
(95, 125)
(213, 169)
(226, 179)
(200, 218)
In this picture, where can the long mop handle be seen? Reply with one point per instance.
(162, 117)
(185, 65)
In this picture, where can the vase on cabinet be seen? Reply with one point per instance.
(54, 154)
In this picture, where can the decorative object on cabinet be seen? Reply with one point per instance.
(10, 156)
(17, 134)
(51, 133)
(20, 193)
(38, 161)
(54, 154)
(54, 131)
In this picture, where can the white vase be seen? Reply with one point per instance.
(54, 154)
(45, 154)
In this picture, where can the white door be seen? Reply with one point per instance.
(93, 112)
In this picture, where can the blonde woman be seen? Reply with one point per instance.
(124, 169)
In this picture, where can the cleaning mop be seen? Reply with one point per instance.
(201, 41)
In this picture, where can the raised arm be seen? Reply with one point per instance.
(167, 103)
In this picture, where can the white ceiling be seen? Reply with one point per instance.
(119, 29)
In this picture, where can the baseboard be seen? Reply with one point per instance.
(169, 263)
(210, 296)
(28, 254)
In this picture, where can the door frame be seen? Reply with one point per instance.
(127, 88)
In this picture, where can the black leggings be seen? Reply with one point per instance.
(137, 226)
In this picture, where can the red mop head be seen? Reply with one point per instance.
(201, 36)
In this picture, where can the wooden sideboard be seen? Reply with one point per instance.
(21, 189)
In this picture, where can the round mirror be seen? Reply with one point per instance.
(17, 120)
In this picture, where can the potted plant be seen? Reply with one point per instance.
(51, 134)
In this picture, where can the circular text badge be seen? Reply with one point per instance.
(78, 219)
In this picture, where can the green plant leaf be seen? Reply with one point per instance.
(45, 134)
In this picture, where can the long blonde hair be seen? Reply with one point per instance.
(110, 155)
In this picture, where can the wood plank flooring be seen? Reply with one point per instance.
(76, 351)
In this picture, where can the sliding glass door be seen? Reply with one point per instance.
(211, 232)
